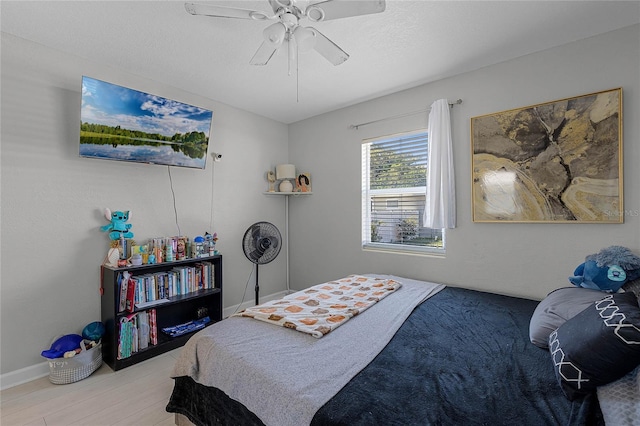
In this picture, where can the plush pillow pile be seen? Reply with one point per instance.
(559, 306)
(599, 345)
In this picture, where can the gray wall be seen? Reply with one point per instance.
(52, 200)
(517, 259)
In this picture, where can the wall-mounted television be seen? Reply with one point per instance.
(118, 123)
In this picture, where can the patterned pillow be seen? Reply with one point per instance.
(599, 345)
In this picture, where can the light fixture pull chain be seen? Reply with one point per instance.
(291, 53)
(297, 77)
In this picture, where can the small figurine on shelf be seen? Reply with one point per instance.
(271, 177)
(198, 247)
(210, 242)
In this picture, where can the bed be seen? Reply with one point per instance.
(453, 356)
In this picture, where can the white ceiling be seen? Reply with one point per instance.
(410, 43)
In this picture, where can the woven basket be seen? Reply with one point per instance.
(63, 371)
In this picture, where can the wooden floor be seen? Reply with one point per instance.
(136, 395)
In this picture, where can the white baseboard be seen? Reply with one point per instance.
(24, 375)
(27, 374)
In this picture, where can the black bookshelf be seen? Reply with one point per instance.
(178, 310)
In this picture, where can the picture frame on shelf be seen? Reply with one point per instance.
(303, 182)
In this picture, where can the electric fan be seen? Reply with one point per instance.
(261, 244)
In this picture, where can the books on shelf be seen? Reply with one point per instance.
(137, 292)
(135, 332)
(128, 337)
(143, 330)
(153, 327)
(131, 295)
(123, 279)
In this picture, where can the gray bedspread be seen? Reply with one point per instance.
(251, 361)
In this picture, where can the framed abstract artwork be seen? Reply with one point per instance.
(559, 161)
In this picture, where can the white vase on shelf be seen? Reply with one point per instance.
(286, 186)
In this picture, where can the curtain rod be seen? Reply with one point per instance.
(357, 126)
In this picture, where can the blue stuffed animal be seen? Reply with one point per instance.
(119, 227)
(607, 270)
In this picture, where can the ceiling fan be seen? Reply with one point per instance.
(287, 27)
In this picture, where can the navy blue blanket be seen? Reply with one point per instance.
(462, 357)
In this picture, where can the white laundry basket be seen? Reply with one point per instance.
(63, 371)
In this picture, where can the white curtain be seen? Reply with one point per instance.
(440, 209)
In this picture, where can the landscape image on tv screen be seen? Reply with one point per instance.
(118, 123)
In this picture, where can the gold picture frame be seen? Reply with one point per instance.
(559, 161)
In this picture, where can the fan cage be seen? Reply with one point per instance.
(256, 237)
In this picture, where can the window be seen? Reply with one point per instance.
(393, 195)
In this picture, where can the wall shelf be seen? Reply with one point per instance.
(295, 194)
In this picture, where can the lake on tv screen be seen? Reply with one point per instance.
(149, 152)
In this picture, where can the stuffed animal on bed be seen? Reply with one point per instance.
(608, 270)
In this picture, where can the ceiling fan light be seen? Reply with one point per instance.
(274, 34)
(314, 13)
(305, 38)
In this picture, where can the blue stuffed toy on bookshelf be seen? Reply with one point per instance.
(119, 227)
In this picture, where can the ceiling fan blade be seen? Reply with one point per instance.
(336, 9)
(225, 12)
(264, 54)
(329, 49)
